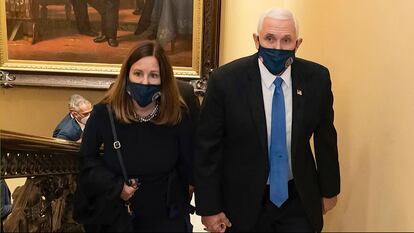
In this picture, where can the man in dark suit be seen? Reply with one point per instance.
(72, 125)
(254, 167)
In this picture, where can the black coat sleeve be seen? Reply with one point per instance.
(186, 142)
(325, 143)
(190, 99)
(187, 128)
(94, 176)
(209, 149)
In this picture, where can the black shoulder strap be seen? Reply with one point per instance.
(117, 145)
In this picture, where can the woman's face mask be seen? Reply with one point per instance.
(143, 94)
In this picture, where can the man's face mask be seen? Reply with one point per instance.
(84, 119)
(82, 115)
(144, 94)
(276, 60)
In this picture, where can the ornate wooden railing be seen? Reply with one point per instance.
(43, 203)
(24, 155)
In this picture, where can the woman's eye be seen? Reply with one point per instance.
(153, 75)
(137, 73)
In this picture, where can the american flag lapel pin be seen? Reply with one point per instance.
(299, 92)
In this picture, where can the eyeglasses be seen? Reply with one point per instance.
(85, 114)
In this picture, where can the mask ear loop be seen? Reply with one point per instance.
(156, 96)
(126, 85)
(288, 62)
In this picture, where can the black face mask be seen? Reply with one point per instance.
(276, 60)
(144, 94)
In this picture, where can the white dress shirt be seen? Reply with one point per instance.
(268, 88)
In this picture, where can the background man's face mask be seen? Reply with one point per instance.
(85, 119)
(81, 117)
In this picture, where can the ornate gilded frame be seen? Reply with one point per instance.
(206, 29)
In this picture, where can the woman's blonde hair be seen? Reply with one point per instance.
(170, 101)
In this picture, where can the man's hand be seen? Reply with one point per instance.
(328, 203)
(216, 223)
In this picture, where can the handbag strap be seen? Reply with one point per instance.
(117, 146)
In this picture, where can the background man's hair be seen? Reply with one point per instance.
(75, 101)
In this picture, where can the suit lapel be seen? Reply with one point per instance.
(298, 95)
(255, 100)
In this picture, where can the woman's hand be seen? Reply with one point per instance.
(128, 191)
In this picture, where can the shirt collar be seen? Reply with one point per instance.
(268, 78)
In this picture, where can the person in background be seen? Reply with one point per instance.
(6, 205)
(71, 128)
(145, 19)
(156, 131)
(139, 5)
(80, 8)
(72, 125)
(166, 20)
(109, 11)
(254, 167)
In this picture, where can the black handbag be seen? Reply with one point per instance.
(99, 214)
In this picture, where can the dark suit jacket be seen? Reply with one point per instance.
(231, 163)
(190, 99)
(68, 129)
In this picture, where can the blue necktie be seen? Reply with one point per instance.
(279, 163)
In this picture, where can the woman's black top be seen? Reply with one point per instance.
(160, 156)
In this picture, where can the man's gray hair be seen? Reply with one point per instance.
(278, 13)
(75, 101)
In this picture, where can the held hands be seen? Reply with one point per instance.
(216, 223)
(328, 203)
(128, 191)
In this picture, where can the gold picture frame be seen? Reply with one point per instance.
(205, 39)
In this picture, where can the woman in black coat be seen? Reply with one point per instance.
(155, 131)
